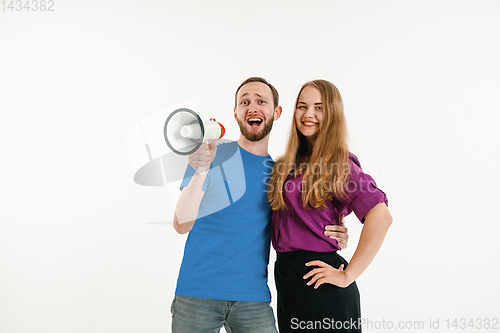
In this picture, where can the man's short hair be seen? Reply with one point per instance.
(261, 80)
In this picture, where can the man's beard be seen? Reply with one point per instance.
(255, 136)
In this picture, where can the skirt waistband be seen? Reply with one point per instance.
(303, 255)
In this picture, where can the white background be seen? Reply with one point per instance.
(420, 82)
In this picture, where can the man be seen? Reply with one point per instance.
(223, 276)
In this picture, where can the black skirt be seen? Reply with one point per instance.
(301, 308)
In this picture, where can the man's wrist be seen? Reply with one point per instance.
(201, 175)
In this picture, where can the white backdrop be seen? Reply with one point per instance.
(420, 82)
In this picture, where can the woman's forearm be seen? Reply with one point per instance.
(377, 223)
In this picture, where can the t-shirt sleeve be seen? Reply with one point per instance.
(362, 191)
(187, 178)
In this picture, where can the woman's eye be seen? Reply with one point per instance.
(319, 108)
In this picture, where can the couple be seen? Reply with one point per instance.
(299, 204)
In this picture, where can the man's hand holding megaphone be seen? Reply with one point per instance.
(186, 134)
(203, 156)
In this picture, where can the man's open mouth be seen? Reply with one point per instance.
(254, 121)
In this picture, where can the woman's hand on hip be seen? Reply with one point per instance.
(326, 274)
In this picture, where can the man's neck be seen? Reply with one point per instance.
(258, 148)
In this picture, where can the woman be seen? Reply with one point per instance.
(314, 184)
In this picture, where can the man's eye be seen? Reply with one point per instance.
(244, 102)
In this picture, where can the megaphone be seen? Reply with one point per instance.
(184, 132)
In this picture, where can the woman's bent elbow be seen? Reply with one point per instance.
(387, 218)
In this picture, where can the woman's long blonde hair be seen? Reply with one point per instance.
(325, 169)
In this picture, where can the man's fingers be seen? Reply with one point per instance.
(199, 157)
(202, 154)
(213, 145)
(337, 235)
(203, 146)
(332, 234)
(333, 227)
(198, 160)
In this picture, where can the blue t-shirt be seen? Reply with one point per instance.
(227, 250)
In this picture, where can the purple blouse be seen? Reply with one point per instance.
(299, 228)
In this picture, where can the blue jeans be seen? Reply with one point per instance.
(203, 315)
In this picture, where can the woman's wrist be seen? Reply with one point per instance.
(348, 278)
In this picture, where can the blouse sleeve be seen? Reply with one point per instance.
(362, 191)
